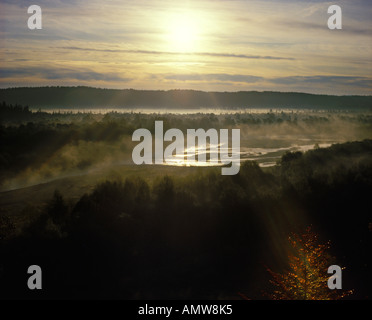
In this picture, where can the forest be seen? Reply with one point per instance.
(178, 233)
(88, 97)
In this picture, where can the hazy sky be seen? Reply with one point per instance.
(213, 45)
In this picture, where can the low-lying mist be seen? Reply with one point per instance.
(45, 147)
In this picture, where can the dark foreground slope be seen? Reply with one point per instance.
(199, 236)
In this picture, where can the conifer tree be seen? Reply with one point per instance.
(307, 277)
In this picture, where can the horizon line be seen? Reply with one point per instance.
(194, 90)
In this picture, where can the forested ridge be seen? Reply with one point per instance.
(88, 97)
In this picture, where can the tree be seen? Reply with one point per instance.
(307, 276)
(7, 228)
(57, 208)
(164, 191)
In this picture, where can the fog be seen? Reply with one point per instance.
(49, 146)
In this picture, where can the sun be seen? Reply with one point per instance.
(183, 33)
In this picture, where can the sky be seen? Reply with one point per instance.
(210, 45)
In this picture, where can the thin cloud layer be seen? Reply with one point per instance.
(211, 54)
(53, 74)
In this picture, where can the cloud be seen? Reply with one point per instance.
(88, 75)
(61, 74)
(152, 52)
(303, 25)
(362, 82)
(336, 80)
(214, 77)
(41, 3)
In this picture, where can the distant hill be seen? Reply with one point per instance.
(87, 97)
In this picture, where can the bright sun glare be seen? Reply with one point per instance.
(183, 33)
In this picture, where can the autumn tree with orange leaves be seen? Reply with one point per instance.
(307, 276)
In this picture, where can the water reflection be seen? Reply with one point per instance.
(266, 157)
